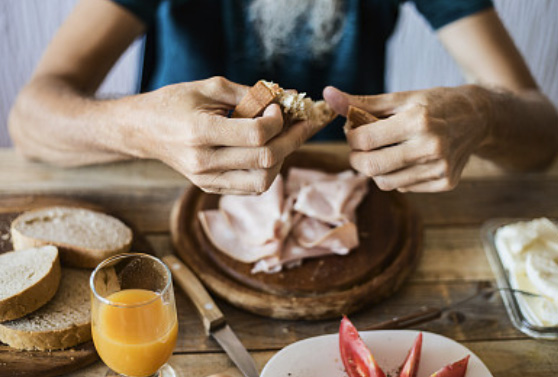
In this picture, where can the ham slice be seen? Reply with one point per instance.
(332, 200)
(256, 219)
(310, 233)
(223, 237)
(310, 215)
(292, 255)
(299, 178)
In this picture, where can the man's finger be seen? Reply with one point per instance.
(380, 105)
(387, 160)
(292, 138)
(393, 130)
(222, 90)
(217, 130)
(411, 175)
(208, 160)
(437, 185)
(222, 191)
(246, 181)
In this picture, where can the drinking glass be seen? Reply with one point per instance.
(133, 315)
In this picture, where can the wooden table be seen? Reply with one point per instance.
(453, 265)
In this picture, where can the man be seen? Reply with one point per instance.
(421, 144)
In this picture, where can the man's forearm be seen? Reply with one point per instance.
(522, 129)
(53, 121)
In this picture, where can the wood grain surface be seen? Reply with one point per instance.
(452, 267)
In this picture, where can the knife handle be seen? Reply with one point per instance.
(210, 314)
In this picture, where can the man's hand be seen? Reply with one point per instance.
(186, 126)
(423, 140)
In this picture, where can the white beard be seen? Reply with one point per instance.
(277, 21)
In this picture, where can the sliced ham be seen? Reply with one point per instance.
(310, 233)
(223, 237)
(299, 178)
(292, 254)
(327, 200)
(310, 215)
(353, 201)
(256, 219)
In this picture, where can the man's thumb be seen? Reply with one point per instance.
(338, 100)
(380, 105)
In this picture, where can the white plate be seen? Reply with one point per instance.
(319, 356)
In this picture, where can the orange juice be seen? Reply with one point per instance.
(137, 334)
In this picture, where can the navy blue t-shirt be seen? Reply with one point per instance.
(191, 40)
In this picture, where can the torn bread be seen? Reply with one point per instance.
(296, 106)
(357, 117)
(63, 322)
(83, 237)
(28, 280)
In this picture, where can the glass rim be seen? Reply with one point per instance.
(122, 256)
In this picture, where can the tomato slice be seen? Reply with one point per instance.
(457, 369)
(356, 357)
(411, 363)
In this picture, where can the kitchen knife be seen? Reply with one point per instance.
(213, 320)
(426, 314)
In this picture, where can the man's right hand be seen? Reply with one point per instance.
(186, 126)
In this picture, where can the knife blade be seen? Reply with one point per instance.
(213, 319)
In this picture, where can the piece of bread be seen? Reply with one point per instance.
(63, 322)
(357, 117)
(28, 279)
(296, 106)
(83, 237)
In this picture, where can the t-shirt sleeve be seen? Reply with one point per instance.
(143, 9)
(442, 12)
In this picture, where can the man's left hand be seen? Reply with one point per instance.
(423, 139)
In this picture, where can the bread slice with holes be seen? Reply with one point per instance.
(28, 280)
(296, 106)
(63, 322)
(83, 237)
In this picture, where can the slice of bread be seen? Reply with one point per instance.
(83, 237)
(28, 279)
(63, 322)
(296, 106)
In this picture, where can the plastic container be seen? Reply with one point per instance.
(516, 311)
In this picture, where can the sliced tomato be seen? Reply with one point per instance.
(457, 369)
(411, 363)
(356, 357)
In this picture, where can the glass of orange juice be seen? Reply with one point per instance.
(133, 316)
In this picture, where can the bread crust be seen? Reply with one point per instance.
(46, 340)
(256, 100)
(357, 117)
(70, 255)
(33, 297)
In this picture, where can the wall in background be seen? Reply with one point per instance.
(26, 27)
(415, 59)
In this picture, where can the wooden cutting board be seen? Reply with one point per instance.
(45, 363)
(390, 236)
